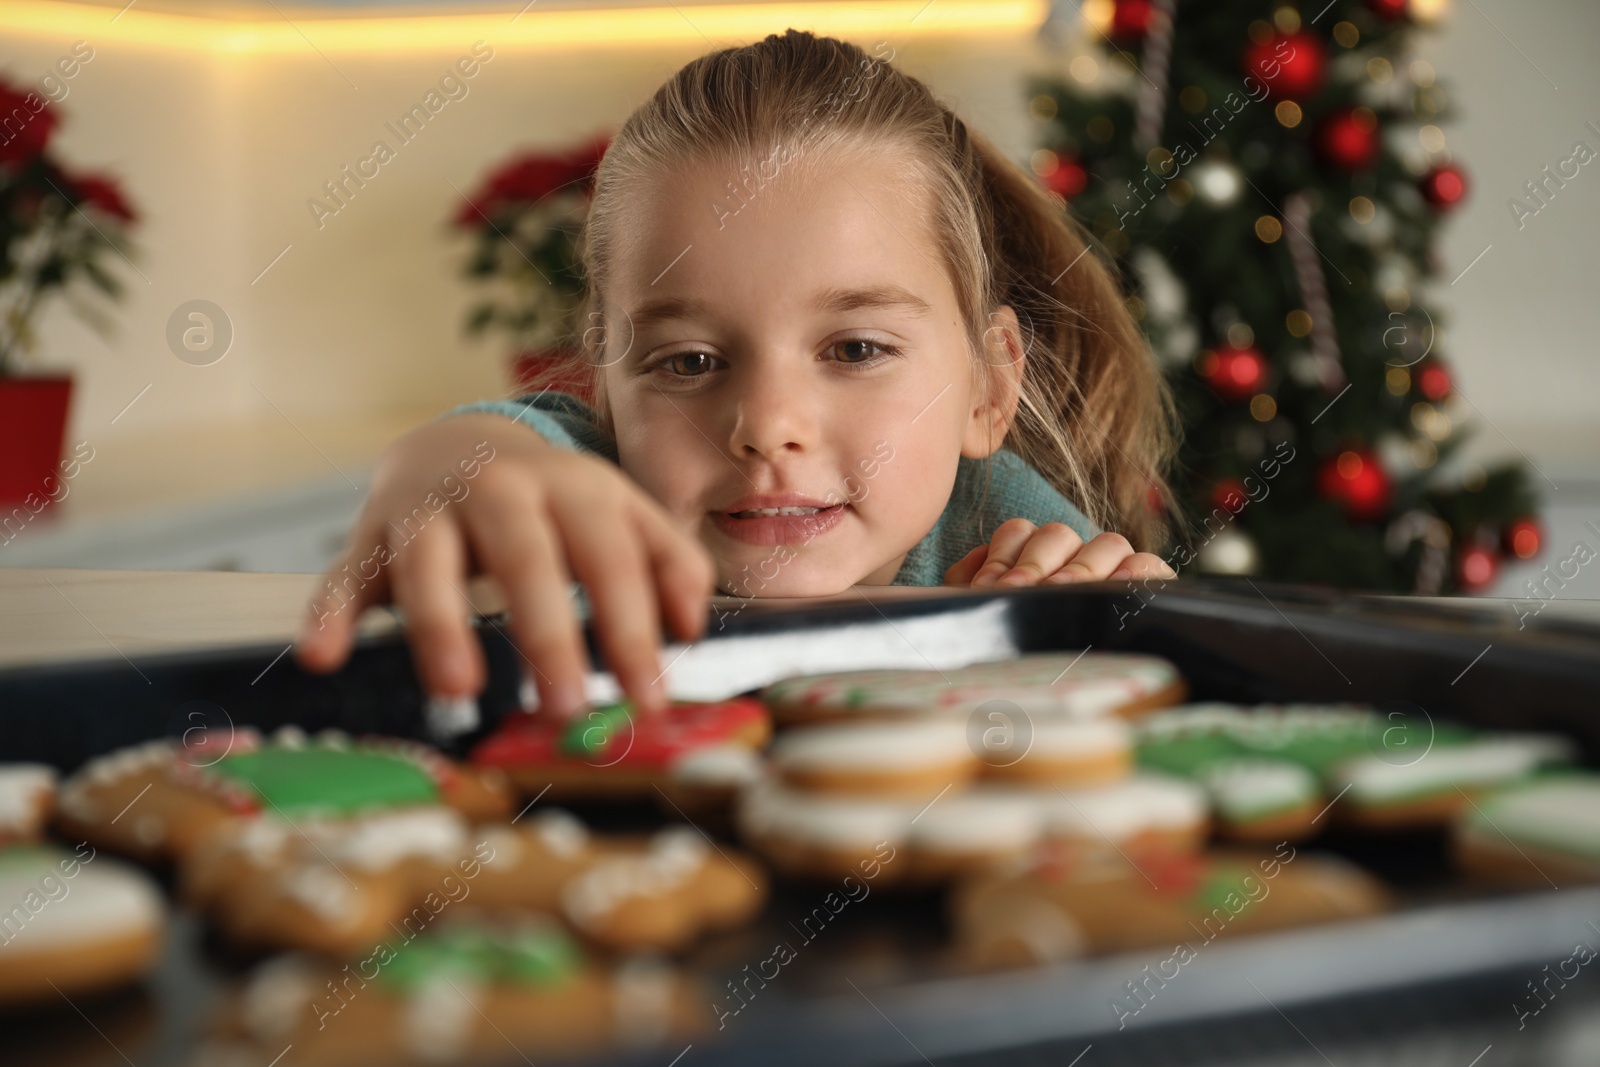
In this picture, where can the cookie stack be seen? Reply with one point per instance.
(934, 774)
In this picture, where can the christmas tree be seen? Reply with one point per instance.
(1270, 181)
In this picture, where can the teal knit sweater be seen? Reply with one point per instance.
(986, 493)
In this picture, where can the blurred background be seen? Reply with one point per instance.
(246, 320)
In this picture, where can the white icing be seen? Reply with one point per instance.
(732, 766)
(642, 1009)
(24, 788)
(868, 747)
(324, 891)
(505, 846)
(114, 766)
(379, 841)
(441, 1015)
(1140, 802)
(47, 910)
(337, 740)
(1248, 788)
(675, 855)
(1561, 814)
(562, 833)
(981, 821)
(278, 991)
(1485, 761)
(824, 821)
(289, 736)
(1080, 738)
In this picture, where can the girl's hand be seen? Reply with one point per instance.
(1021, 553)
(481, 492)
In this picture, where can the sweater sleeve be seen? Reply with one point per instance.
(561, 419)
(987, 493)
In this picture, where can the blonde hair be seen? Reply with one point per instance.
(1095, 417)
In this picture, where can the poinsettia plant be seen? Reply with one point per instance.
(56, 227)
(527, 220)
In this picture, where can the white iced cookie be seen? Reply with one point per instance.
(1142, 804)
(83, 921)
(903, 759)
(1072, 684)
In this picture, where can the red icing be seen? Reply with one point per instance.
(532, 740)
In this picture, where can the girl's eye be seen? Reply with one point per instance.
(861, 351)
(689, 364)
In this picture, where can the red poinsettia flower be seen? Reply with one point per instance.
(26, 122)
(96, 191)
(529, 178)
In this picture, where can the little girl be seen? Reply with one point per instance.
(836, 339)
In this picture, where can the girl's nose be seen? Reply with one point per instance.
(774, 414)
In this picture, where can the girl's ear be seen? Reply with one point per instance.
(1003, 361)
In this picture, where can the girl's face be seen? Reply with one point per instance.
(790, 377)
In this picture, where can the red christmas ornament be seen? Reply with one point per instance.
(1357, 482)
(1348, 139)
(1235, 373)
(1393, 10)
(1476, 568)
(1434, 381)
(1444, 187)
(1130, 20)
(1291, 64)
(1229, 495)
(1067, 178)
(1524, 538)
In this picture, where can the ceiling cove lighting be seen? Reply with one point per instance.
(535, 28)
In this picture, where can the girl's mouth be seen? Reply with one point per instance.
(786, 524)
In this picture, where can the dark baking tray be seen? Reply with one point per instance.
(877, 988)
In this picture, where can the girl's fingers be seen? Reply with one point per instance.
(1096, 560)
(1050, 546)
(963, 570)
(608, 557)
(515, 543)
(338, 600)
(1144, 565)
(1004, 548)
(685, 576)
(427, 576)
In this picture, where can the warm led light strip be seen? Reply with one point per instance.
(534, 29)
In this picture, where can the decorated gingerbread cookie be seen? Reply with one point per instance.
(332, 884)
(1116, 904)
(1536, 834)
(1144, 813)
(78, 922)
(466, 991)
(1430, 788)
(662, 893)
(154, 802)
(888, 759)
(27, 795)
(811, 835)
(609, 753)
(1068, 684)
(1070, 753)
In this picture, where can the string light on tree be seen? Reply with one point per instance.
(1235, 372)
(1477, 567)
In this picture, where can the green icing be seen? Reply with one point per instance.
(590, 734)
(1184, 756)
(329, 779)
(529, 956)
(1213, 892)
(32, 857)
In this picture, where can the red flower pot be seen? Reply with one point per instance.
(33, 424)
